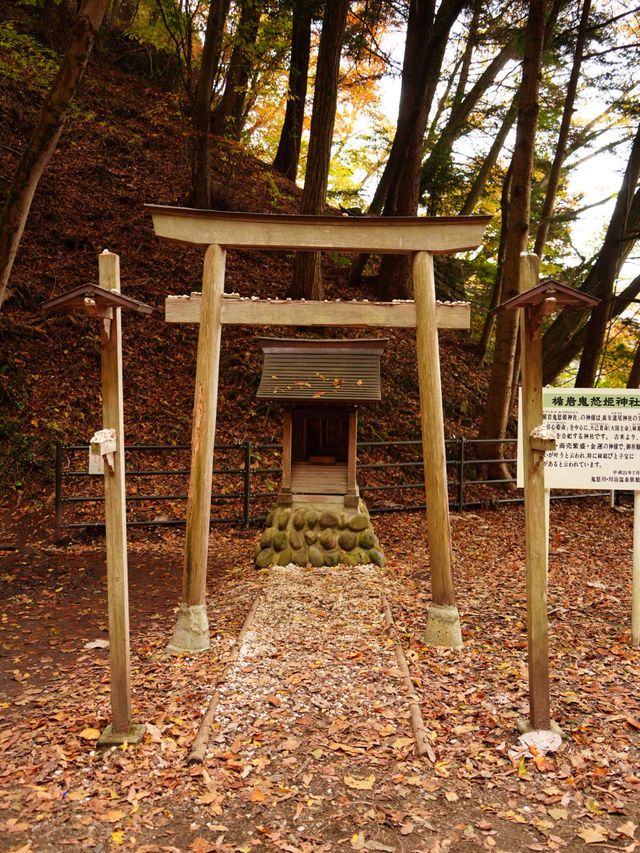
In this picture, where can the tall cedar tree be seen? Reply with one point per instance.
(288, 153)
(200, 149)
(496, 410)
(563, 134)
(46, 134)
(567, 335)
(228, 115)
(607, 270)
(397, 192)
(307, 275)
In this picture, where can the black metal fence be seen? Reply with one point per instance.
(246, 479)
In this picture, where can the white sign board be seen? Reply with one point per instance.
(597, 434)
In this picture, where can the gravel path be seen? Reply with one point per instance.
(315, 660)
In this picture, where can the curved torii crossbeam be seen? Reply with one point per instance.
(420, 237)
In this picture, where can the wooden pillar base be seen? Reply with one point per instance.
(191, 633)
(132, 737)
(524, 727)
(443, 626)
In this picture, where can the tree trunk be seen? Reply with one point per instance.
(200, 151)
(496, 411)
(229, 112)
(572, 332)
(563, 135)
(45, 137)
(307, 277)
(489, 161)
(424, 52)
(288, 154)
(634, 374)
(496, 296)
(607, 269)
(440, 154)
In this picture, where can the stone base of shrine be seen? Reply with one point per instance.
(321, 533)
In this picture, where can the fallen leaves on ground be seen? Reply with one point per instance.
(347, 778)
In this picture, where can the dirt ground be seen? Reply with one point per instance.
(343, 774)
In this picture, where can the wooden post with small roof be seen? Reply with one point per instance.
(418, 237)
(105, 302)
(536, 301)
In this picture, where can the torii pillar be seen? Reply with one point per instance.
(419, 237)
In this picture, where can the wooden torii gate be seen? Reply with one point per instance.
(420, 237)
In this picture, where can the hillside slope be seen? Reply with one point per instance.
(124, 145)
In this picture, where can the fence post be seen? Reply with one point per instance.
(57, 530)
(461, 475)
(247, 483)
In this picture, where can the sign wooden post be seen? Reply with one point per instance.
(121, 727)
(536, 301)
(536, 538)
(443, 621)
(104, 302)
(191, 633)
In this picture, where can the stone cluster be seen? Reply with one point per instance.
(318, 537)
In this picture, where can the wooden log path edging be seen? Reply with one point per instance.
(196, 756)
(314, 659)
(420, 731)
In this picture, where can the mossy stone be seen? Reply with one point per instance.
(312, 518)
(350, 559)
(299, 519)
(361, 556)
(267, 537)
(332, 558)
(280, 540)
(270, 518)
(328, 519)
(342, 521)
(347, 540)
(367, 539)
(376, 557)
(284, 557)
(300, 557)
(296, 539)
(328, 539)
(310, 536)
(265, 558)
(316, 556)
(358, 522)
(283, 518)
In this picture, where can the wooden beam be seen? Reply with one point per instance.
(288, 312)
(286, 451)
(536, 538)
(394, 235)
(352, 453)
(192, 631)
(443, 623)
(115, 511)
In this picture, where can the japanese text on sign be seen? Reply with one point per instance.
(597, 439)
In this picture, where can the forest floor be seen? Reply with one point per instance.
(311, 748)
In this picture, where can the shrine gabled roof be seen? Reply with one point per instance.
(75, 299)
(565, 297)
(320, 370)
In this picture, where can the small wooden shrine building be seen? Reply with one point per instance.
(320, 518)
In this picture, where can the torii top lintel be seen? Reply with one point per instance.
(391, 235)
